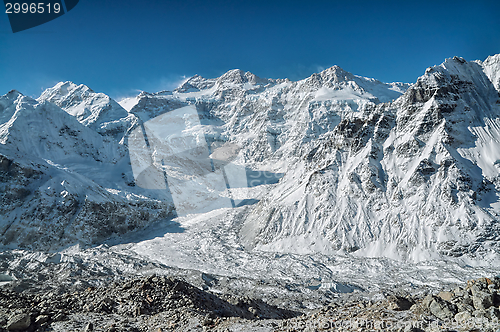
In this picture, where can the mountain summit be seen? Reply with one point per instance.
(94, 110)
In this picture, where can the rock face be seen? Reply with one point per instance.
(442, 309)
(398, 170)
(491, 68)
(43, 205)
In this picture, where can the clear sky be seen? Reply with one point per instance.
(121, 47)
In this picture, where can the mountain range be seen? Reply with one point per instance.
(334, 163)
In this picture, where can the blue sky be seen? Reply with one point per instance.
(121, 47)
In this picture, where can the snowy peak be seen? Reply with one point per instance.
(232, 78)
(354, 86)
(446, 81)
(334, 78)
(456, 90)
(12, 94)
(11, 105)
(95, 110)
(336, 74)
(10, 97)
(66, 94)
(237, 76)
(43, 130)
(7, 100)
(492, 69)
(195, 83)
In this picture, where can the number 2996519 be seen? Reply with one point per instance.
(32, 8)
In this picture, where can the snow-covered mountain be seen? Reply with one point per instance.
(407, 179)
(491, 67)
(334, 162)
(94, 110)
(62, 182)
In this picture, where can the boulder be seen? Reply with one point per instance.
(447, 296)
(459, 291)
(482, 300)
(399, 303)
(442, 309)
(427, 301)
(481, 314)
(19, 322)
(467, 299)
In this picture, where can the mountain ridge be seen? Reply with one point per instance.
(371, 168)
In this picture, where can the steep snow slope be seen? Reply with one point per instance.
(411, 179)
(492, 69)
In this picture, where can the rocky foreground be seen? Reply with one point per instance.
(161, 303)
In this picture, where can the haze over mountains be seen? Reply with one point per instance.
(339, 163)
